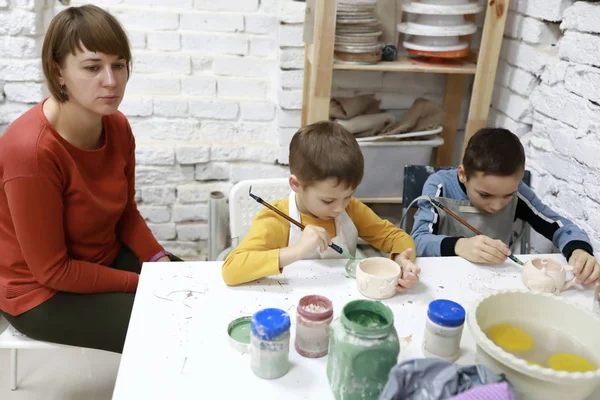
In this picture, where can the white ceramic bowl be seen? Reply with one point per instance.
(531, 381)
(377, 277)
(440, 20)
(438, 41)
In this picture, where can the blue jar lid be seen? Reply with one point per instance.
(269, 323)
(446, 313)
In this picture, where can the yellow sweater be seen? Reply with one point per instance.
(257, 255)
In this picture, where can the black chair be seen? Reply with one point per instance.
(414, 180)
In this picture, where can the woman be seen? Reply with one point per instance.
(71, 237)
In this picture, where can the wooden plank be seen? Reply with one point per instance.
(402, 64)
(308, 37)
(306, 85)
(455, 89)
(487, 64)
(319, 90)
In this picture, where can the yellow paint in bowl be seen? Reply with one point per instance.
(510, 338)
(570, 363)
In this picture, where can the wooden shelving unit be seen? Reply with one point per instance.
(319, 36)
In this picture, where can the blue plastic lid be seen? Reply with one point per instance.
(270, 323)
(446, 313)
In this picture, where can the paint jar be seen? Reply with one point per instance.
(443, 330)
(270, 343)
(313, 319)
(363, 348)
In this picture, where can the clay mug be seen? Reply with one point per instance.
(377, 277)
(547, 275)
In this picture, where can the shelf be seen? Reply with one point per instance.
(404, 65)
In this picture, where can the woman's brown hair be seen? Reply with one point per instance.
(73, 29)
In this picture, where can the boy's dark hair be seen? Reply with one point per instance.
(326, 150)
(494, 151)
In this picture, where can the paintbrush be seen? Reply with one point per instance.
(334, 246)
(465, 223)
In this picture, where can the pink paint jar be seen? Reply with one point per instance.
(313, 318)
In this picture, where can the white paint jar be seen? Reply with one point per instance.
(443, 330)
(270, 343)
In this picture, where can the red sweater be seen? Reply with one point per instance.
(65, 212)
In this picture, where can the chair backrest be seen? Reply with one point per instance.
(414, 180)
(243, 209)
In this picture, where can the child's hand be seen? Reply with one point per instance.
(410, 272)
(482, 249)
(585, 267)
(311, 238)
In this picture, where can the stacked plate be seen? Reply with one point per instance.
(435, 29)
(357, 32)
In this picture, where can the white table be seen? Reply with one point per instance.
(177, 345)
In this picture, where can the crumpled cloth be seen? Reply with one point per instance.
(350, 107)
(423, 115)
(434, 379)
(372, 123)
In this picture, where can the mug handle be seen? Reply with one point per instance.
(570, 282)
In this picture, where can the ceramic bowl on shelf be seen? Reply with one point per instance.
(434, 43)
(440, 20)
(412, 28)
(442, 7)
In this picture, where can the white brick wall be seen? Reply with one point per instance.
(546, 10)
(243, 88)
(519, 26)
(548, 91)
(215, 95)
(21, 30)
(211, 21)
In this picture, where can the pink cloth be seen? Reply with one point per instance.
(496, 391)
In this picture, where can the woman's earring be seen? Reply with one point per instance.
(62, 93)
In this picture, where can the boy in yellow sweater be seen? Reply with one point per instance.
(326, 166)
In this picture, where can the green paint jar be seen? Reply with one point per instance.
(363, 348)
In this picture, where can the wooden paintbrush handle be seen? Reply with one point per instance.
(287, 217)
(284, 215)
(462, 221)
